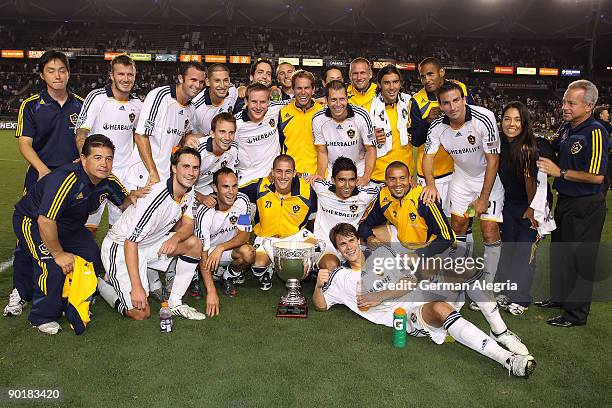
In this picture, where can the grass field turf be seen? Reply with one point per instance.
(247, 357)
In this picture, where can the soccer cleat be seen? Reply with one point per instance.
(187, 312)
(239, 280)
(228, 288)
(265, 282)
(49, 328)
(511, 341)
(520, 366)
(158, 294)
(196, 290)
(503, 301)
(15, 305)
(516, 309)
(474, 306)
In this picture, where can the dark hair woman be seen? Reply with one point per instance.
(520, 150)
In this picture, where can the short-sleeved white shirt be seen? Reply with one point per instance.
(205, 111)
(211, 163)
(215, 227)
(347, 139)
(468, 145)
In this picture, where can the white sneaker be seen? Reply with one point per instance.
(512, 342)
(474, 306)
(187, 312)
(49, 328)
(516, 309)
(520, 366)
(15, 304)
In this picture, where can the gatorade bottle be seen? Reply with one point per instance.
(399, 328)
(470, 212)
(165, 318)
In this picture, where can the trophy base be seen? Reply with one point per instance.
(295, 311)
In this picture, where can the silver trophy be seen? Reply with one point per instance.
(292, 264)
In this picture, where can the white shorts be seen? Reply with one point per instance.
(113, 259)
(416, 325)
(113, 211)
(443, 186)
(464, 190)
(264, 244)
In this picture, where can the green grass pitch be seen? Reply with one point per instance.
(247, 357)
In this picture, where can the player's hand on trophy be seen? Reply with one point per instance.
(139, 298)
(212, 304)
(430, 194)
(322, 278)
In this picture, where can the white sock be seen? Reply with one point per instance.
(108, 293)
(487, 304)
(492, 252)
(471, 336)
(185, 267)
(461, 251)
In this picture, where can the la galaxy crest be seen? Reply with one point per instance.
(233, 219)
(132, 117)
(296, 208)
(350, 133)
(576, 147)
(73, 118)
(353, 207)
(471, 139)
(272, 122)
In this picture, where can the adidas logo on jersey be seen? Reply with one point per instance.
(339, 127)
(122, 108)
(458, 134)
(79, 196)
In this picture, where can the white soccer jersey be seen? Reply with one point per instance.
(215, 227)
(332, 210)
(258, 144)
(347, 139)
(468, 145)
(211, 163)
(165, 122)
(153, 216)
(341, 289)
(205, 111)
(103, 114)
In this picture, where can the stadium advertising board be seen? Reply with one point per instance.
(215, 58)
(165, 57)
(504, 70)
(406, 66)
(312, 62)
(549, 71)
(290, 60)
(481, 71)
(526, 71)
(381, 64)
(9, 125)
(12, 53)
(571, 72)
(35, 54)
(504, 85)
(139, 56)
(336, 63)
(240, 59)
(190, 58)
(110, 55)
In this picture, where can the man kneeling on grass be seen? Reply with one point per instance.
(428, 313)
(142, 239)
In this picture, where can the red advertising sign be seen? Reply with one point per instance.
(190, 58)
(240, 59)
(504, 70)
(35, 54)
(12, 53)
(549, 71)
(110, 55)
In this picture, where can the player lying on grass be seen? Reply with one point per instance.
(428, 313)
(142, 238)
(400, 217)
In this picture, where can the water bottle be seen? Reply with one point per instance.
(399, 328)
(165, 318)
(359, 292)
